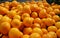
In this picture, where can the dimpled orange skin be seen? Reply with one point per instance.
(15, 33)
(27, 30)
(35, 35)
(28, 21)
(16, 23)
(6, 26)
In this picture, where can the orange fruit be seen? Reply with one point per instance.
(53, 34)
(58, 33)
(37, 20)
(34, 15)
(36, 25)
(52, 28)
(17, 17)
(5, 27)
(26, 9)
(5, 19)
(11, 13)
(3, 10)
(37, 30)
(43, 13)
(56, 11)
(16, 23)
(15, 33)
(56, 17)
(28, 21)
(44, 31)
(52, 13)
(25, 36)
(35, 35)
(25, 15)
(27, 30)
(57, 24)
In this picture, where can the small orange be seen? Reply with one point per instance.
(27, 30)
(56, 17)
(1, 17)
(14, 4)
(26, 9)
(52, 13)
(15, 33)
(25, 36)
(3, 10)
(52, 28)
(58, 33)
(28, 21)
(44, 31)
(49, 16)
(43, 13)
(16, 23)
(57, 24)
(5, 27)
(11, 13)
(17, 17)
(5, 19)
(34, 15)
(37, 20)
(36, 25)
(37, 30)
(56, 11)
(35, 35)
(53, 34)
(25, 15)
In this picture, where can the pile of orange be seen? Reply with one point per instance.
(29, 20)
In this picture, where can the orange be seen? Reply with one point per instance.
(52, 28)
(57, 24)
(56, 17)
(27, 30)
(5, 27)
(44, 31)
(37, 30)
(5, 19)
(25, 15)
(37, 20)
(35, 35)
(56, 11)
(52, 13)
(17, 17)
(3, 10)
(34, 15)
(58, 33)
(15, 33)
(16, 23)
(25, 36)
(11, 13)
(53, 34)
(34, 7)
(36, 25)
(28, 21)
(26, 9)
(43, 13)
